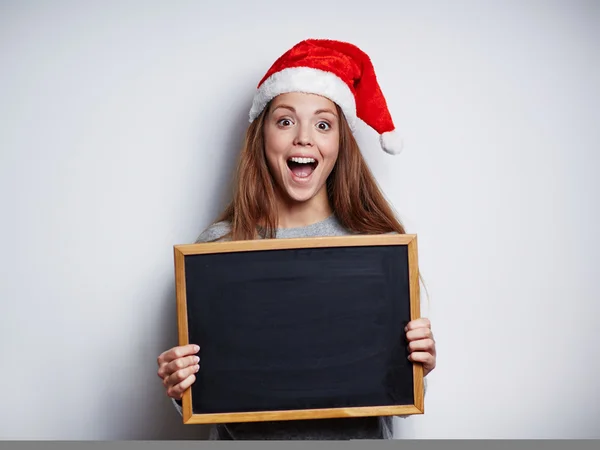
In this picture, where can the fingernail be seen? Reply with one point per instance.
(196, 359)
(196, 348)
(196, 368)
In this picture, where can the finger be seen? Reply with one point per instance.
(177, 391)
(427, 359)
(422, 322)
(177, 352)
(419, 333)
(180, 363)
(180, 375)
(422, 345)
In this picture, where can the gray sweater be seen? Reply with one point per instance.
(318, 429)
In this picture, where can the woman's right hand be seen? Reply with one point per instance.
(177, 368)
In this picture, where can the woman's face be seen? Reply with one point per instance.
(301, 133)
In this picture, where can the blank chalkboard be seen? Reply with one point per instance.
(292, 329)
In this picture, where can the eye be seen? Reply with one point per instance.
(323, 126)
(284, 122)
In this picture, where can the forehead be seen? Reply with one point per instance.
(303, 100)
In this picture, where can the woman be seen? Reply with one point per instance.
(301, 174)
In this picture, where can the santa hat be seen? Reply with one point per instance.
(338, 71)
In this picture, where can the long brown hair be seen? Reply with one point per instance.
(355, 197)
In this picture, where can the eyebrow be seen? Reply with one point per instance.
(318, 111)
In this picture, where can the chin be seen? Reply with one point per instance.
(301, 195)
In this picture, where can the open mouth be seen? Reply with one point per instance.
(302, 167)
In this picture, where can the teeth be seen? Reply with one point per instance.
(302, 160)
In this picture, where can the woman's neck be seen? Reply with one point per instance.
(301, 214)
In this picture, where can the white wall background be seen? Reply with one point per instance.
(119, 125)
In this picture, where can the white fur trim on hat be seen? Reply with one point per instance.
(309, 81)
(391, 142)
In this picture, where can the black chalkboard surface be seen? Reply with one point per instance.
(299, 328)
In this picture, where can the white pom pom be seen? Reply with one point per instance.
(391, 142)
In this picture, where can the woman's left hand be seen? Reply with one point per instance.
(421, 344)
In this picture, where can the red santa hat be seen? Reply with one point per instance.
(338, 71)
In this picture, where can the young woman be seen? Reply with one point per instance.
(301, 174)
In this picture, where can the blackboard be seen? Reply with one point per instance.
(292, 329)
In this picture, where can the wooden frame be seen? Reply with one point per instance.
(180, 253)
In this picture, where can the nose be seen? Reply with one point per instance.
(303, 137)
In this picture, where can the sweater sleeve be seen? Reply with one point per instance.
(178, 406)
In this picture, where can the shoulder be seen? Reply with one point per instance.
(215, 232)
